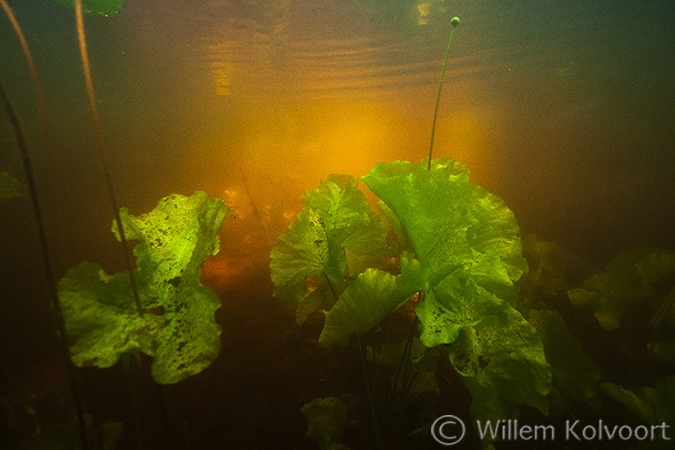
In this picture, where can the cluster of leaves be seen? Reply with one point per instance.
(636, 292)
(177, 323)
(454, 249)
(641, 279)
(454, 241)
(629, 281)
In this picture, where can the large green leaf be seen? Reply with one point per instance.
(177, 326)
(459, 231)
(369, 298)
(372, 296)
(496, 352)
(337, 214)
(458, 301)
(574, 372)
(448, 220)
(629, 280)
(100, 316)
(651, 405)
(501, 361)
(469, 261)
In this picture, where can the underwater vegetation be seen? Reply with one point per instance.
(450, 253)
(177, 325)
(456, 250)
(159, 308)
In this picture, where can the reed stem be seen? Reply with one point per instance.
(454, 22)
(49, 270)
(102, 154)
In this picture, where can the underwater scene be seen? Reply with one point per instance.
(355, 224)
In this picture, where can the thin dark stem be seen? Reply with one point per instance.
(256, 213)
(364, 384)
(102, 154)
(49, 270)
(170, 440)
(46, 130)
(133, 366)
(379, 436)
(455, 22)
(403, 365)
(181, 427)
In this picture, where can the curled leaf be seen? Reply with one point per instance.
(177, 322)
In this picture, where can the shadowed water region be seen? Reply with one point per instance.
(562, 111)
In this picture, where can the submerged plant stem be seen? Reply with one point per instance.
(455, 22)
(103, 157)
(49, 271)
(46, 130)
(133, 364)
(368, 390)
(46, 133)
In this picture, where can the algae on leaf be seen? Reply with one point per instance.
(502, 364)
(178, 326)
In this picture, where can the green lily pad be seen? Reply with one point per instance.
(502, 364)
(372, 296)
(337, 214)
(651, 405)
(177, 325)
(573, 371)
(447, 219)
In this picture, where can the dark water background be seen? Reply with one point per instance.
(565, 109)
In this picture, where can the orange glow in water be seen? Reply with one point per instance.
(463, 134)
